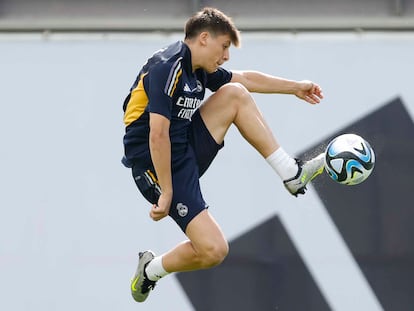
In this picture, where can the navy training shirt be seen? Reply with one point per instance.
(166, 85)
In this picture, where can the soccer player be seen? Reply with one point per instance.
(172, 136)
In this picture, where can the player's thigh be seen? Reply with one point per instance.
(206, 235)
(220, 109)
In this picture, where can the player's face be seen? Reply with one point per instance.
(218, 48)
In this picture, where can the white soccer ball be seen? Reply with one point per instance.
(349, 159)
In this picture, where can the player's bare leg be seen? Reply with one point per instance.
(206, 247)
(233, 104)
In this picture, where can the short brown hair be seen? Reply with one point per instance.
(214, 21)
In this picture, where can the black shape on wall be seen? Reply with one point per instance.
(262, 272)
(376, 218)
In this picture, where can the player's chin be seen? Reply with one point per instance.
(212, 69)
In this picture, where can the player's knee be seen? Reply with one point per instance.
(235, 90)
(238, 96)
(215, 255)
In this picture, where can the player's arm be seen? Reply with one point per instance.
(259, 82)
(160, 88)
(160, 148)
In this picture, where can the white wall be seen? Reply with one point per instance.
(71, 219)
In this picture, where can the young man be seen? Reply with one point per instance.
(172, 136)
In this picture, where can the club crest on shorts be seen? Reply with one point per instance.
(182, 209)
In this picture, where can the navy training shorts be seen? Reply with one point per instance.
(187, 168)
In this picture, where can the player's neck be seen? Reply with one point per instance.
(193, 52)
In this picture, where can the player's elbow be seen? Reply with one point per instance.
(159, 127)
(158, 135)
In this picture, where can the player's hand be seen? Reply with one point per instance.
(309, 92)
(160, 210)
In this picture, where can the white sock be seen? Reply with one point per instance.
(155, 270)
(283, 164)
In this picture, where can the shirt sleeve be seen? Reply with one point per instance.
(218, 78)
(162, 81)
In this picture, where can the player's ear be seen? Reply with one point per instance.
(203, 37)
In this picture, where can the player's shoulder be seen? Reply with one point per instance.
(168, 57)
